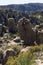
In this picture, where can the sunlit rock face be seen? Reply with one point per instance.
(25, 31)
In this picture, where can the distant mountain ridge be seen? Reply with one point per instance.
(30, 7)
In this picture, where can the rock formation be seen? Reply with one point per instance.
(26, 32)
(11, 25)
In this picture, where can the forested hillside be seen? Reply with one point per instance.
(27, 8)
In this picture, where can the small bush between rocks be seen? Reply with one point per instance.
(22, 59)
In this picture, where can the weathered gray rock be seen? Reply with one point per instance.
(17, 40)
(7, 53)
(25, 49)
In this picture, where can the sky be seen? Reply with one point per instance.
(6, 2)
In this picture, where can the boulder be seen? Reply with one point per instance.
(7, 53)
(25, 49)
(17, 39)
